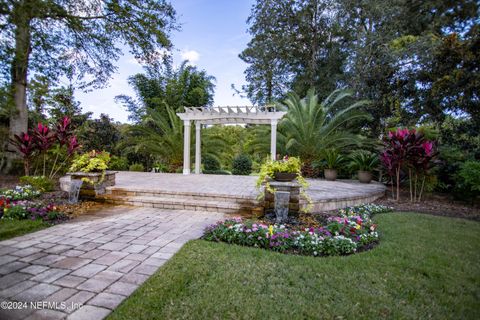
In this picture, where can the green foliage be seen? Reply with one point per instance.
(99, 134)
(118, 163)
(414, 67)
(468, 180)
(210, 163)
(136, 167)
(242, 165)
(160, 136)
(287, 165)
(332, 159)
(185, 86)
(92, 161)
(311, 126)
(15, 213)
(41, 183)
(364, 161)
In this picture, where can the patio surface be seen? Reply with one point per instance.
(93, 263)
(326, 195)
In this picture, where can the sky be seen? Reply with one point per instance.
(213, 33)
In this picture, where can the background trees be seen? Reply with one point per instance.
(75, 38)
(414, 60)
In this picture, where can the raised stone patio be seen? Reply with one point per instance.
(92, 265)
(225, 193)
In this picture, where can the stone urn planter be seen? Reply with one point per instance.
(364, 176)
(93, 184)
(330, 174)
(284, 176)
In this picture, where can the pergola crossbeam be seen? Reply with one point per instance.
(225, 115)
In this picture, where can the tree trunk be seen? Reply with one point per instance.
(19, 71)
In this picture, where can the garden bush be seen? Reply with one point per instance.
(41, 183)
(468, 180)
(210, 163)
(136, 167)
(118, 163)
(242, 165)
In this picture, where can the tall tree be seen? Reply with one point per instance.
(185, 86)
(76, 38)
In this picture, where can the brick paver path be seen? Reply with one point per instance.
(93, 263)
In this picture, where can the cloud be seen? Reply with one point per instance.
(191, 55)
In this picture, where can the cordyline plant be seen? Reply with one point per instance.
(408, 151)
(25, 144)
(40, 141)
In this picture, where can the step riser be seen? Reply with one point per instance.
(122, 193)
(243, 210)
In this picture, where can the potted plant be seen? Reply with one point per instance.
(364, 162)
(332, 160)
(91, 168)
(283, 170)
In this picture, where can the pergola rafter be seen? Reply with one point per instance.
(225, 115)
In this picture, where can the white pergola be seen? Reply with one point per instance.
(225, 115)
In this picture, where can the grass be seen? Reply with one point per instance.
(14, 228)
(424, 267)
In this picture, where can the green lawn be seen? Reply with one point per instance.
(425, 267)
(13, 228)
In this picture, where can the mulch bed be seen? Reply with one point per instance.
(438, 205)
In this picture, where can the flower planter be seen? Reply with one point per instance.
(364, 176)
(330, 174)
(95, 186)
(284, 176)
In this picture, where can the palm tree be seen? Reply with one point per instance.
(311, 126)
(161, 135)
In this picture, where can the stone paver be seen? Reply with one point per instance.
(92, 265)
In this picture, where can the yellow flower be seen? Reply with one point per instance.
(270, 230)
(357, 226)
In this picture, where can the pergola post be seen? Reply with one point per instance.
(186, 147)
(273, 140)
(198, 156)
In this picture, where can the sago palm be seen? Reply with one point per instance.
(311, 126)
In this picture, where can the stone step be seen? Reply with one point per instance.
(116, 191)
(178, 203)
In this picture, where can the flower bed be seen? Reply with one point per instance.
(19, 204)
(20, 193)
(347, 233)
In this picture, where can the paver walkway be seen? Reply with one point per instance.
(94, 264)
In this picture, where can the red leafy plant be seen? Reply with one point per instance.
(408, 151)
(42, 140)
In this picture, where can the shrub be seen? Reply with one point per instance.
(41, 183)
(92, 161)
(242, 165)
(332, 159)
(364, 161)
(210, 163)
(136, 167)
(468, 180)
(118, 163)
